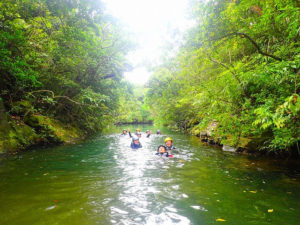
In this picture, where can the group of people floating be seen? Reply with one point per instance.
(162, 150)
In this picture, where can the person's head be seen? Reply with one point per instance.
(135, 140)
(139, 134)
(169, 142)
(158, 132)
(124, 131)
(138, 130)
(161, 149)
(147, 131)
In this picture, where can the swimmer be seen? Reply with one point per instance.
(130, 135)
(138, 134)
(162, 151)
(135, 143)
(169, 145)
(148, 133)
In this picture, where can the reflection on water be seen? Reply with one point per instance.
(103, 181)
(143, 186)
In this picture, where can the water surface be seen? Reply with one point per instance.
(103, 181)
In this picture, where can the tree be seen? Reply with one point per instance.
(239, 66)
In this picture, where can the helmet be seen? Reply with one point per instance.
(138, 129)
(138, 133)
(134, 138)
(124, 130)
(158, 132)
(147, 131)
(168, 139)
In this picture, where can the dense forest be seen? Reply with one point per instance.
(236, 76)
(132, 106)
(61, 70)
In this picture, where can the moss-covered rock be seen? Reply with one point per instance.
(21, 107)
(248, 144)
(36, 121)
(209, 134)
(251, 144)
(24, 134)
(37, 130)
(53, 130)
(64, 133)
(229, 141)
(16, 137)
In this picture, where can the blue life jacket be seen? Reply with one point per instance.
(134, 146)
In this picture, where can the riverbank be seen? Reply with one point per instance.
(18, 134)
(34, 131)
(245, 145)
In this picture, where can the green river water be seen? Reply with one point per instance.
(103, 181)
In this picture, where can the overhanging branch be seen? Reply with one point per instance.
(243, 35)
(57, 96)
(225, 66)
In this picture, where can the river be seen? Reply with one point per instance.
(103, 181)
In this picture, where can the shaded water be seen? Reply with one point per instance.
(103, 181)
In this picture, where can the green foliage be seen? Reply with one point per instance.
(238, 67)
(132, 107)
(64, 57)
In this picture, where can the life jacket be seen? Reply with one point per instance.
(170, 148)
(166, 154)
(134, 146)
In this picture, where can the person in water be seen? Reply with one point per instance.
(169, 145)
(124, 132)
(135, 142)
(130, 135)
(158, 132)
(148, 133)
(162, 151)
(137, 133)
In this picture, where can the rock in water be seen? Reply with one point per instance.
(228, 148)
(51, 207)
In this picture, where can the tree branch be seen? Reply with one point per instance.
(112, 75)
(58, 96)
(225, 66)
(112, 44)
(243, 35)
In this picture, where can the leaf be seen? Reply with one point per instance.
(220, 220)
